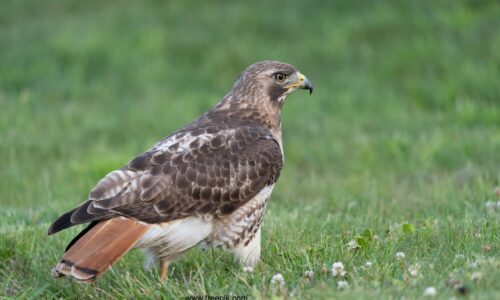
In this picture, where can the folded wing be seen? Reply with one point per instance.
(205, 170)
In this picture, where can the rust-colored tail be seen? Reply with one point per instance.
(98, 248)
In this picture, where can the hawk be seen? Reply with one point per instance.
(206, 184)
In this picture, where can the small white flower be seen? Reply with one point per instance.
(368, 264)
(491, 205)
(430, 291)
(459, 256)
(248, 269)
(414, 269)
(400, 255)
(342, 284)
(309, 274)
(338, 269)
(353, 245)
(476, 276)
(278, 279)
(474, 265)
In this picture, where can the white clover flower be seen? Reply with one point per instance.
(400, 255)
(342, 284)
(278, 279)
(353, 245)
(248, 269)
(430, 291)
(476, 276)
(414, 270)
(491, 205)
(338, 269)
(368, 264)
(309, 274)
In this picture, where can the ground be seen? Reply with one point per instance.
(397, 149)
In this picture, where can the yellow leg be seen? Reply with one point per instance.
(164, 269)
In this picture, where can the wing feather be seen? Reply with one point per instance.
(112, 184)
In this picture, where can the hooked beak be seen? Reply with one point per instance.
(304, 83)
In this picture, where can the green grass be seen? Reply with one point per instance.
(398, 147)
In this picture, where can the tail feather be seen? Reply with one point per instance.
(98, 248)
(78, 236)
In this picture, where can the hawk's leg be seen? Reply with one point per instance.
(248, 255)
(153, 259)
(164, 269)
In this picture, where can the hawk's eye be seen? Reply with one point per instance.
(280, 77)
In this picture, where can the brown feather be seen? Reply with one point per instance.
(99, 248)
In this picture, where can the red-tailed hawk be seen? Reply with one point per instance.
(206, 184)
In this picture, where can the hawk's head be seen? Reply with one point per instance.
(271, 81)
(259, 93)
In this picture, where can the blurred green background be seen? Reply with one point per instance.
(403, 125)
